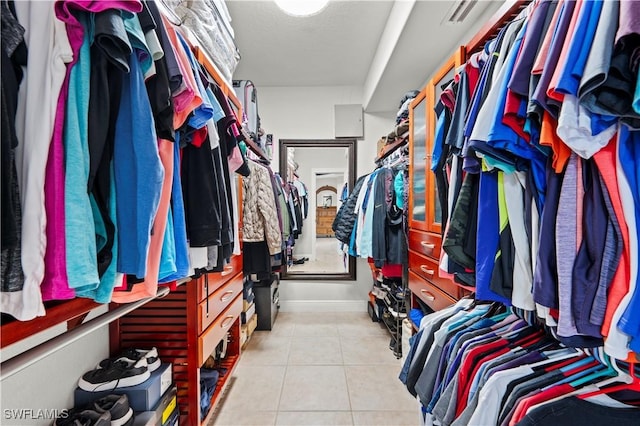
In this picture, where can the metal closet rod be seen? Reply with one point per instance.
(33, 355)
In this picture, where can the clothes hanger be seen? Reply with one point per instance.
(596, 374)
(580, 371)
(169, 13)
(633, 384)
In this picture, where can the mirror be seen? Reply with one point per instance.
(325, 170)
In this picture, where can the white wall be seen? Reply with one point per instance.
(308, 113)
(48, 384)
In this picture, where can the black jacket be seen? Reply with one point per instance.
(346, 218)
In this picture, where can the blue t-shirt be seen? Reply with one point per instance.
(488, 237)
(168, 255)
(576, 59)
(438, 139)
(179, 221)
(80, 234)
(104, 291)
(138, 173)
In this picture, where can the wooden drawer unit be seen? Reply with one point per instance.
(425, 243)
(427, 268)
(324, 221)
(435, 298)
(209, 283)
(212, 306)
(208, 340)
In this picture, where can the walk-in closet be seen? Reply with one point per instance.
(320, 212)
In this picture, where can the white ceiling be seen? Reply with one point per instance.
(386, 47)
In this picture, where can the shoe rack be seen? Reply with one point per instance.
(186, 326)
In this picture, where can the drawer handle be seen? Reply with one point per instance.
(427, 271)
(429, 246)
(227, 270)
(428, 295)
(226, 296)
(227, 321)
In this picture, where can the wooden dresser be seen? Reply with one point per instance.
(324, 221)
(425, 227)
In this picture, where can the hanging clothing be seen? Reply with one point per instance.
(260, 221)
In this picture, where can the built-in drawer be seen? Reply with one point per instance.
(208, 340)
(435, 298)
(209, 283)
(425, 243)
(212, 306)
(428, 269)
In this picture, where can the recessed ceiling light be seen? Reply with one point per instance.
(301, 7)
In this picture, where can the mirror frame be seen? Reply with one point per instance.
(352, 162)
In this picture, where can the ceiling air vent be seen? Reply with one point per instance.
(459, 11)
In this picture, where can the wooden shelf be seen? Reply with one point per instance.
(509, 10)
(230, 364)
(57, 313)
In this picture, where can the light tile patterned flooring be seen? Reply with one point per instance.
(318, 369)
(328, 259)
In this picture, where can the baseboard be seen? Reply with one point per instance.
(323, 305)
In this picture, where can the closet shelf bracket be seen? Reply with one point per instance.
(20, 362)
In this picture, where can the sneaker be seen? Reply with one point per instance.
(378, 292)
(119, 374)
(399, 293)
(118, 407)
(397, 314)
(132, 356)
(84, 418)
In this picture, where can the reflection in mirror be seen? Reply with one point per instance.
(324, 170)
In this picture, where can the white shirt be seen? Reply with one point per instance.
(574, 128)
(522, 296)
(489, 402)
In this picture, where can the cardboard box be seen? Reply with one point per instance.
(252, 324)
(246, 304)
(161, 413)
(246, 330)
(142, 397)
(248, 313)
(244, 334)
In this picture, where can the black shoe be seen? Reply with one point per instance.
(133, 355)
(298, 261)
(119, 374)
(118, 407)
(84, 418)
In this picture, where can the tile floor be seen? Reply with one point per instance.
(327, 260)
(318, 369)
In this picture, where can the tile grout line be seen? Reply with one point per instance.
(346, 379)
(286, 369)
